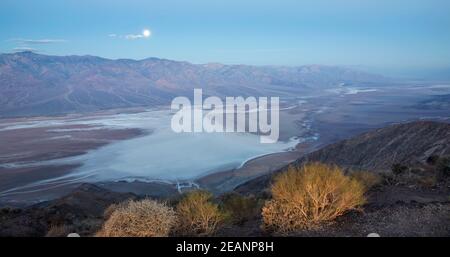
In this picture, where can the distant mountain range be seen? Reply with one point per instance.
(35, 84)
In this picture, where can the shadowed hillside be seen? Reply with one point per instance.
(407, 145)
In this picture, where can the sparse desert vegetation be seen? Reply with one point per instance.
(398, 168)
(443, 167)
(304, 197)
(198, 215)
(433, 171)
(58, 231)
(195, 214)
(367, 178)
(240, 208)
(144, 218)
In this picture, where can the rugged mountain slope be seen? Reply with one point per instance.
(33, 84)
(407, 144)
(409, 202)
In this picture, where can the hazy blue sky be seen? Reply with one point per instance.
(380, 33)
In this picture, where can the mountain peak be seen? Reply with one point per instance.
(25, 53)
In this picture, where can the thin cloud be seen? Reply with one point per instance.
(146, 33)
(133, 36)
(37, 41)
(25, 49)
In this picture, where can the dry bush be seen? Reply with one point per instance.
(145, 218)
(368, 179)
(58, 231)
(399, 169)
(443, 168)
(305, 197)
(198, 215)
(429, 181)
(240, 208)
(112, 208)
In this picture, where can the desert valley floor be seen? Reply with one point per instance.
(133, 150)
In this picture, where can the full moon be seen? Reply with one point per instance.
(146, 33)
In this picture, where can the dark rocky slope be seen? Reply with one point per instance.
(81, 210)
(378, 150)
(408, 144)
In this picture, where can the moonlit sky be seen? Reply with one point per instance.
(374, 33)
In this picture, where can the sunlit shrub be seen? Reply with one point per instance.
(113, 207)
(307, 196)
(145, 218)
(198, 215)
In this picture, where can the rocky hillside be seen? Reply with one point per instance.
(83, 208)
(405, 145)
(34, 84)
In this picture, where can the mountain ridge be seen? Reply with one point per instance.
(36, 84)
